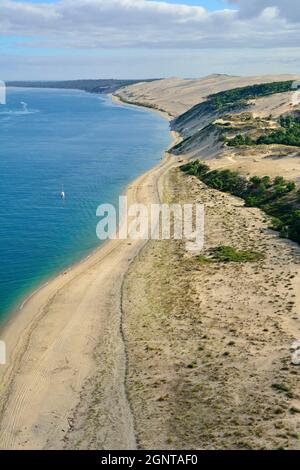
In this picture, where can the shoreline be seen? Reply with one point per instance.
(41, 342)
(12, 313)
(122, 102)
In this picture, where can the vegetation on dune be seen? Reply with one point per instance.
(228, 254)
(240, 96)
(240, 140)
(229, 101)
(287, 134)
(277, 197)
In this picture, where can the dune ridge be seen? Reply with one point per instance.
(121, 370)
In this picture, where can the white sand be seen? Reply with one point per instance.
(176, 95)
(61, 339)
(63, 385)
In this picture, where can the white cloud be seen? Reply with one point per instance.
(289, 9)
(147, 24)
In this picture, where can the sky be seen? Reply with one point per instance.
(69, 39)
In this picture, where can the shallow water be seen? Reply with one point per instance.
(51, 139)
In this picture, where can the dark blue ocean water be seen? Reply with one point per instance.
(50, 138)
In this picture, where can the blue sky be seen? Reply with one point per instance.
(210, 4)
(47, 39)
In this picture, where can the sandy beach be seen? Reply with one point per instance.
(149, 230)
(209, 361)
(66, 358)
(143, 346)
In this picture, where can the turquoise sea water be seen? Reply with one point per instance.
(50, 138)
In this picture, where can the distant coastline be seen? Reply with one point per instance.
(142, 345)
(100, 86)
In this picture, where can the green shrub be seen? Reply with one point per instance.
(240, 96)
(276, 197)
(287, 134)
(228, 254)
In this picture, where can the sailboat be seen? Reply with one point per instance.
(62, 194)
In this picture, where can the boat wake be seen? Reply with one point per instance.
(19, 112)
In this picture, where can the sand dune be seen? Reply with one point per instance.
(85, 370)
(210, 359)
(176, 95)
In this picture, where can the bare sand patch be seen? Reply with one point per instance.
(177, 95)
(209, 361)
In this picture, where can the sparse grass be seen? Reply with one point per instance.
(281, 388)
(203, 259)
(193, 365)
(293, 410)
(227, 254)
(210, 339)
